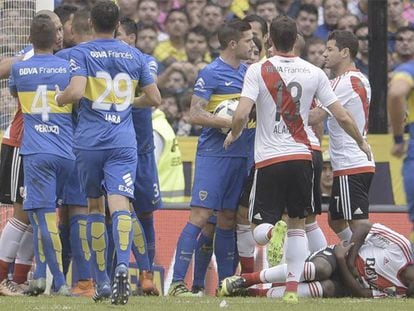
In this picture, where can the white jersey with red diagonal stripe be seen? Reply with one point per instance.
(382, 257)
(354, 93)
(283, 89)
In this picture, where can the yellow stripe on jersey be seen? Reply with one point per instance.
(218, 98)
(99, 89)
(32, 103)
(410, 107)
(404, 76)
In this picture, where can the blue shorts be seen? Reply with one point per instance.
(110, 171)
(44, 178)
(73, 193)
(147, 188)
(218, 182)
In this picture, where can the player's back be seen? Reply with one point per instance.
(382, 256)
(283, 89)
(354, 93)
(113, 70)
(47, 127)
(217, 82)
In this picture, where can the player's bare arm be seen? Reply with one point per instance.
(151, 97)
(5, 66)
(347, 122)
(341, 253)
(316, 116)
(73, 93)
(358, 238)
(199, 116)
(397, 106)
(240, 119)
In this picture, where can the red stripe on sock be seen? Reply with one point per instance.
(292, 286)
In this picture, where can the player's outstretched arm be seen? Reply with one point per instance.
(199, 116)
(73, 92)
(397, 103)
(240, 119)
(347, 122)
(151, 97)
(341, 252)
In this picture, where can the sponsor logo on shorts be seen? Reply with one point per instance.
(128, 182)
(258, 216)
(358, 211)
(203, 195)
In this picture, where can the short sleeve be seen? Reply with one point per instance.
(324, 92)
(145, 77)
(77, 63)
(205, 84)
(251, 83)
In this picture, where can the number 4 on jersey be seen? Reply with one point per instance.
(39, 104)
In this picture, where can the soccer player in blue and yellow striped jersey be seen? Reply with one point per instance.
(46, 147)
(105, 74)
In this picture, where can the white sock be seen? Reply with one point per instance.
(345, 235)
(305, 290)
(309, 271)
(260, 233)
(10, 239)
(276, 274)
(245, 242)
(316, 238)
(25, 252)
(296, 254)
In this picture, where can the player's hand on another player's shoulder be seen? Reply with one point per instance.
(366, 148)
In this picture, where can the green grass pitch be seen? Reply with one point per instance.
(204, 304)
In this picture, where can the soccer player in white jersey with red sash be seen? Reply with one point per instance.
(283, 88)
(352, 170)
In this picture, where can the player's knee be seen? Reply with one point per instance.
(199, 216)
(337, 225)
(226, 219)
(260, 233)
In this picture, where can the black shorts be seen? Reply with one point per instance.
(317, 162)
(286, 185)
(11, 172)
(349, 199)
(247, 188)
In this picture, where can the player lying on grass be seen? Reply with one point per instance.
(379, 264)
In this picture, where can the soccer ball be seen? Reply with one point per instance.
(226, 110)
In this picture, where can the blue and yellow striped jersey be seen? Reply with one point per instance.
(47, 127)
(113, 71)
(219, 81)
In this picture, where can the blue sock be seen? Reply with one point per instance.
(52, 247)
(64, 234)
(224, 250)
(40, 259)
(98, 241)
(110, 255)
(79, 245)
(185, 249)
(122, 232)
(203, 253)
(149, 232)
(139, 245)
